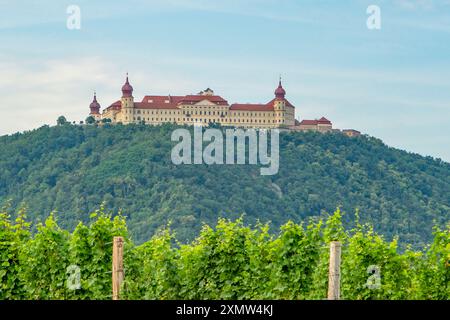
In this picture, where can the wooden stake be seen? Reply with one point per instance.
(334, 272)
(117, 267)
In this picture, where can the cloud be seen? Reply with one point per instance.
(37, 91)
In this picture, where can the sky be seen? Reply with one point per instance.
(392, 83)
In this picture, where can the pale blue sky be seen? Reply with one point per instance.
(393, 84)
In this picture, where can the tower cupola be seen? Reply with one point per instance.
(280, 93)
(127, 89)
(95, 106)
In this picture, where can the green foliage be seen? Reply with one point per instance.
(91, 250)
(230, 261)
(90, 120)
(152, 271)
(365, 249)
(435, 268)
(61, 121)
(44, 260)
(74, 168)
(12, 237)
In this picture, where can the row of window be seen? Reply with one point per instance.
(205, 120)
(210, 113)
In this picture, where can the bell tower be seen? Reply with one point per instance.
(127, 102)
(95, 108)
(279, 104)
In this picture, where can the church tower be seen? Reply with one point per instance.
(279, 104)
(127, 103)
(95, 108)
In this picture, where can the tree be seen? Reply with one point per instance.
(90, 120)
(55, 167)
(106, 120)
(61, 121)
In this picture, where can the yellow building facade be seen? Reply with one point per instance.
(202, 109)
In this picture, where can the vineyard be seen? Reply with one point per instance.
(230, 261)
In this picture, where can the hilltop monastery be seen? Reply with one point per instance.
(205, 108)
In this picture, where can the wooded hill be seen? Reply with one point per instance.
(73, 169)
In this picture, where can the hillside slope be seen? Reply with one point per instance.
(73, 169)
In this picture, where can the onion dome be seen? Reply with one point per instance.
(280, 93)
(95, 106)
(127, 89)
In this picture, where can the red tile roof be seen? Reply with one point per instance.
(272, 102)
(324, 120)
(172, 102)
(162, 99)
(308, 123)
(192, 99)
(115, 106)
(251, 107)
(159, 102)
(316, 122)
(258, 107)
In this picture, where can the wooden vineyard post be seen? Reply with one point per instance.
(334, 272)
(117, 267)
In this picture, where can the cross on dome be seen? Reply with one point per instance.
(127, 89)
(280, 93)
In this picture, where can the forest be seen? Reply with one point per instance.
(72, 170)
